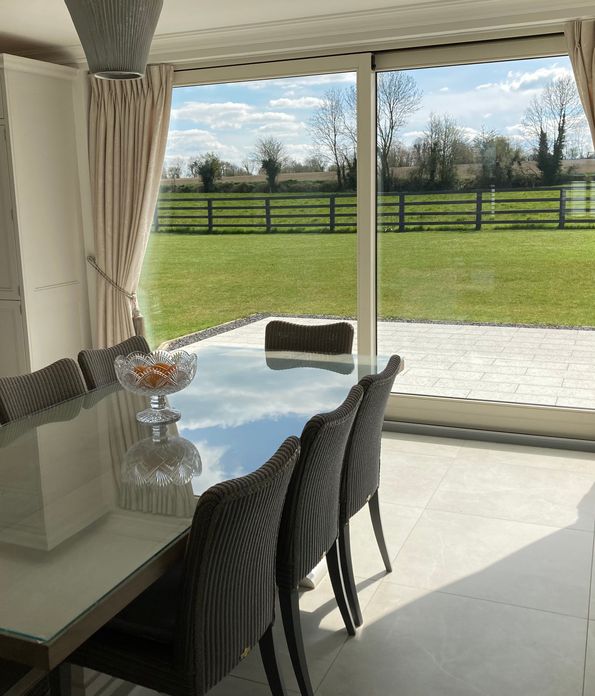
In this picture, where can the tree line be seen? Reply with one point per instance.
(432, 161)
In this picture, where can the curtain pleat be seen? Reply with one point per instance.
(580, 36)
(128, 125)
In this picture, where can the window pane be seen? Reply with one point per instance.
(486, 232)
(257, 210)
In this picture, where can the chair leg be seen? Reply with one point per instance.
(271, 664)
(348, 577)
(61, 681)
(374, 507)
(334, 570)
(290, 613)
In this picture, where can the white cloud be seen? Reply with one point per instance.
(487, 115)
(299, 151)
(517, 80)
(413, 135)
(470, 132)
(299, 103)
(190, 142)
(281, 127)
(327, 79)
(227, 115)
(515, 128)
(444, 89)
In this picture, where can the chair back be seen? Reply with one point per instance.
(228, 588)
(361, 471)
(97, 365)
(331, 339)
(288, 360)
(26, 394)
(310, 522)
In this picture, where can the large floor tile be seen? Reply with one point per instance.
(517, 563)
(418, 644)
(323, 630)
(590, 662)
(410, 478)
(516, 492)
(397, 523)
(104, 685)
(541, 457)
(230, 686)
(399, 443)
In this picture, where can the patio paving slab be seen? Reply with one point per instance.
(518, 364)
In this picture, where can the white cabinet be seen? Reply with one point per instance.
(13, 351)
(42, 262)
(9, 277)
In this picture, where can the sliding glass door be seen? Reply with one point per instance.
(486, 235)
(257, 214)
(460, 176)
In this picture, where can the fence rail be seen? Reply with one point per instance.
(397, 212)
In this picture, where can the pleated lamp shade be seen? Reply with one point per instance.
(116, 35)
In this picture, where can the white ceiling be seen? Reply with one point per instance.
(202, 29)
(46, 23)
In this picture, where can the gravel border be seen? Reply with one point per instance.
(182, 341)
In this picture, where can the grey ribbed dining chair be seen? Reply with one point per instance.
(361, 473)
(26, 394)
(97, 365)
(310, 523)
(331, 339)
(195, 624)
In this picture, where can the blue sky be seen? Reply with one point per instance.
(229, 118)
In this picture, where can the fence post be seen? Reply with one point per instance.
(210, 214)
(401, 212)
(156, 217)
(478, 209)
(331, 213)
(267, 213)
(562, 214)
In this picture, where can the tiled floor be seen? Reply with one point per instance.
(555, 367)
(492, 549)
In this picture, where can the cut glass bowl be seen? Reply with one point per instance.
(156, 375)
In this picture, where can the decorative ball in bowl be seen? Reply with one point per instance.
(156, 375)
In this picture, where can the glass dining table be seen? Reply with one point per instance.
(94, 506)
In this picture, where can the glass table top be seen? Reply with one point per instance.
(87, 498)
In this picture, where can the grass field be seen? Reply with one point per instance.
(540, 276)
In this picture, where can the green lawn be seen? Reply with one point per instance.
(191, 282)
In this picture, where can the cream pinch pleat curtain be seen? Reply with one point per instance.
(580, 36)
(128, 125)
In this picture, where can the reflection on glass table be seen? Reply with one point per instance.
(80, 511)
(157, 473)
(288, 360)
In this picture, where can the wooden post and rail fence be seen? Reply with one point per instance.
(397, 212)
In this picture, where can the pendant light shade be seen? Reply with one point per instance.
(116, 35)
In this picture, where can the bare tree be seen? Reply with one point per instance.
(248, 166)
(398, 98)
(271, 155)
(174, 171)
(549, 119)
(438, 152)
(328, 131)
(333, 127)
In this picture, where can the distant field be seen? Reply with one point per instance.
(537, 276)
